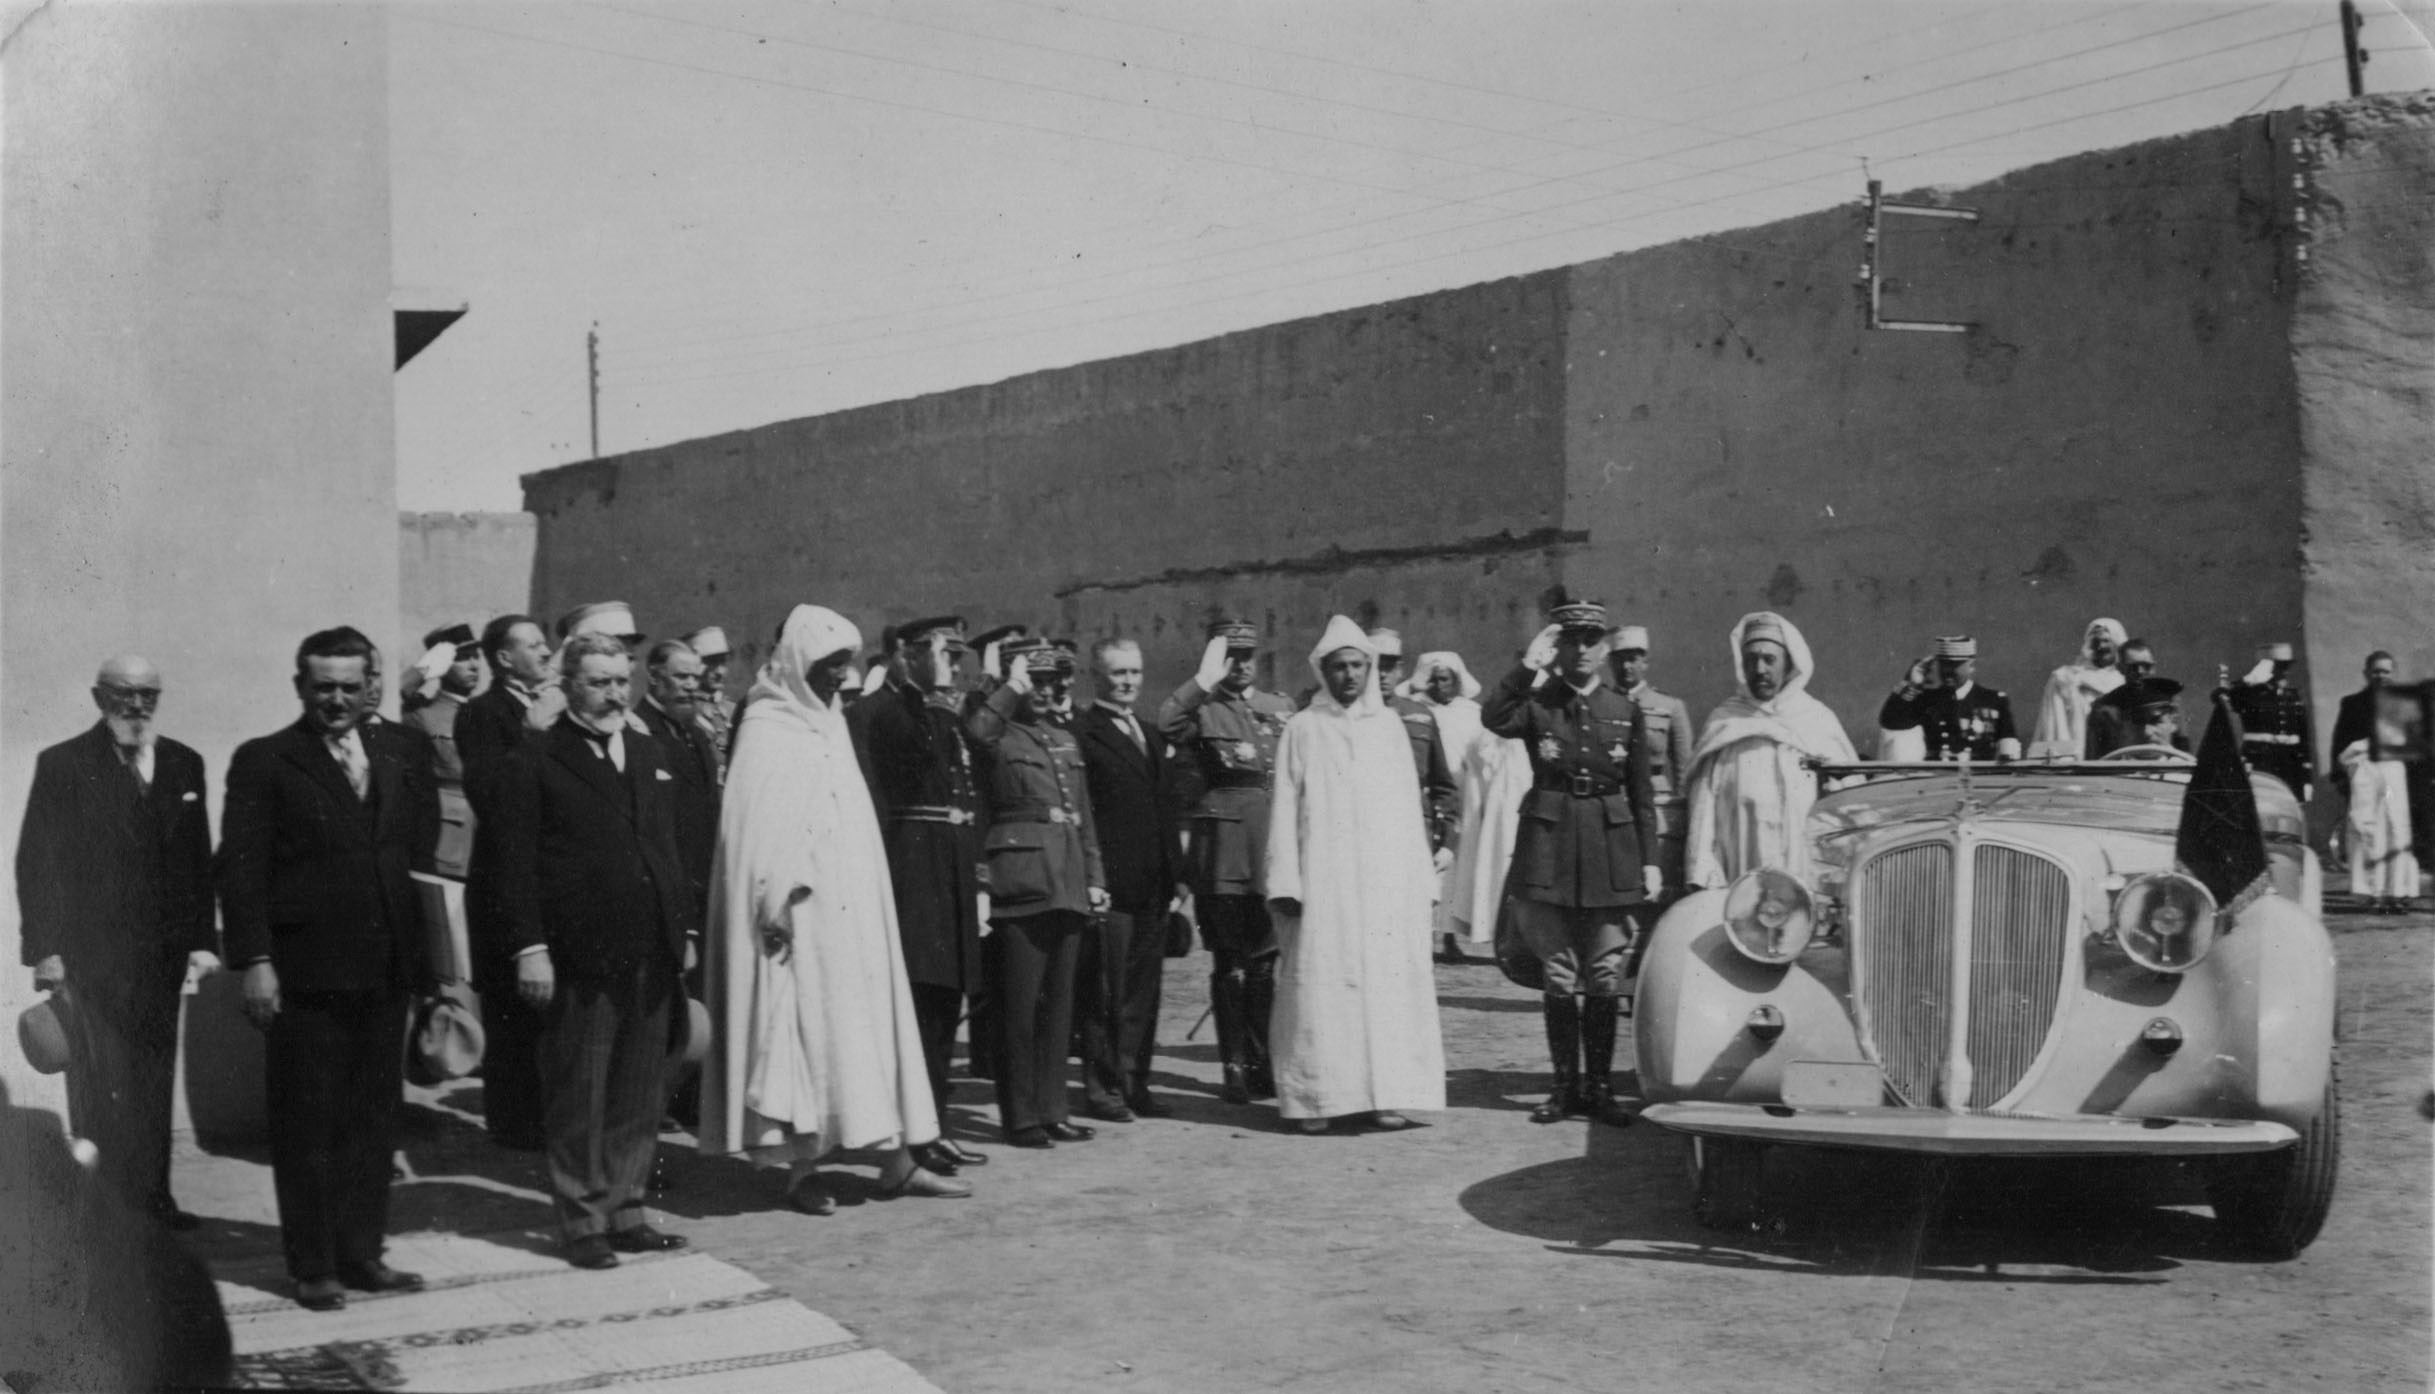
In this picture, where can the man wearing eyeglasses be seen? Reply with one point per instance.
(114, 894)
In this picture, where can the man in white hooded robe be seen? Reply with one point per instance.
(2062, 728)
(1750, 790)
(1348, 873)
(815, 1048)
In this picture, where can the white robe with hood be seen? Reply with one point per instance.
(814, 1046)
(1750, 794)
(1494, 777)
(2062, 730)
(1355, 1028)
(2381, 862)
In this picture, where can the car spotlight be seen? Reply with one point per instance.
(1768, 916)
(2165, 921)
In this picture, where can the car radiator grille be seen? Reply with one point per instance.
(2020, 912)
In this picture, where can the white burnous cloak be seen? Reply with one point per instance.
(815, 1046)
(2062, 730)
(1750, 793)
(2382, 866)
(1355, 1028)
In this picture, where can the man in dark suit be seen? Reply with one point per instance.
(114, 900)
(603, 925)
(522, 702)
(325, 821)
(1133, 802)
(672, 711)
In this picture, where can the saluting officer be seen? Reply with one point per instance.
(1585, 851)
(1440, 801)
(2277, 736)
(1940, 699)
(1045, 878)
(1226, 730)
(921, 775)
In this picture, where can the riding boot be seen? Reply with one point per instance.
(1259, 1002)
(1226, 1009)
(1597, 1058)
(1563, 1014)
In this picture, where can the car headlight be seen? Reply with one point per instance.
(2165, 921)
(1769, 916)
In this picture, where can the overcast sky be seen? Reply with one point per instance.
(775, 208)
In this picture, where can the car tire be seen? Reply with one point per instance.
(2273, 1203)
(1726, 1182)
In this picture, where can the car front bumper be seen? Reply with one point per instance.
(1933, 1131)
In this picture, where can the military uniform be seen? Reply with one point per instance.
(1226, 746)
(1953, 721)
(2277, 736)
(1581, 852)
(1043, 858)
(1667, 736)
(1440, 802)
(921, 776)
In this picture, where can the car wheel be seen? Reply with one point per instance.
(2275, 1202)
(1725, 1176)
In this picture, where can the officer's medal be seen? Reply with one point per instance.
(1246, 752)
(1549, 750)
(1615, 752)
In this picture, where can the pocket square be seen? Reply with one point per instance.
(663, 774)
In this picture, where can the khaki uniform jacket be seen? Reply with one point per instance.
(1589, 821)
(1042, 851)
(1226, 752)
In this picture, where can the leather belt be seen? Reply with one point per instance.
(1035, 813)
(1239, 782)
(2269, 738)
(1580, 786)
(934, 813)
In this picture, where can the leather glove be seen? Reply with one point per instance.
(1542, 650)
(1213, 665)
(536, 980)
(1922, 675)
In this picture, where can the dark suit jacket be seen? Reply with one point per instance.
(695, 763)
(1134, 804)
(489, 729)
(108, 877)
(588, 859)
(317, 880)
(2354, 720)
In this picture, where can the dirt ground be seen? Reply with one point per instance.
(1213, 1252)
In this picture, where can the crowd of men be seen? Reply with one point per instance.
(874, 848)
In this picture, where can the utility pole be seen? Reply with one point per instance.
(2354, 58)
(592, 364)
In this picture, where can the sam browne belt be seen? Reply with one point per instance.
(933, 813)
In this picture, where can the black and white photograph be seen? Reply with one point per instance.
(1198, 696)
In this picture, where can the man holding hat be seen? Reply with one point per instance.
(2277, 735)
(1586, 851)
(912, 734)
(1954, 716)
(114, 905)
(714, 711)
(1225, 731)
(452, 669)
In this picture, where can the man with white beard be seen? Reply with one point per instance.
(1348, 875)
(1751, 791)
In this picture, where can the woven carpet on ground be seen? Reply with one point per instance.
(500, 1318)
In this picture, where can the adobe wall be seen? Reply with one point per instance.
(460, 568)
(2116, 437)
(2363, 352)
(195, 382)
(1400, 455)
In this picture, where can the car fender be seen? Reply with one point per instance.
(1692, 1012)
(2272, 981)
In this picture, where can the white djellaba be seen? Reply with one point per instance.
(1355, 1028)
(1750, 790)
(815, 1048)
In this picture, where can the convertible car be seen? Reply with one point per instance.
(2002, 960)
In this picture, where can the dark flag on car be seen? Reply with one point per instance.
(2222, 842)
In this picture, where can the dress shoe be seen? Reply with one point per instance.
(917, 1182)
(811, 1195)
(377, 1276)
(643, 1239)
(1029, 1137)
(1070, 1132)
(1110, 1113)
(1262, 1083)
(1387, 1120)
(962, 1156)
(591, 1251)
(938, 1159)
(1145, 1104)
(1310, 1127)
(320, 1295)
(1237, 1088)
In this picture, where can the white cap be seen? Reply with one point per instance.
(708, 642)
(1631, 636)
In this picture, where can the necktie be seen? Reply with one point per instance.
(1133, 728)
(135, 767)
(351, 758)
